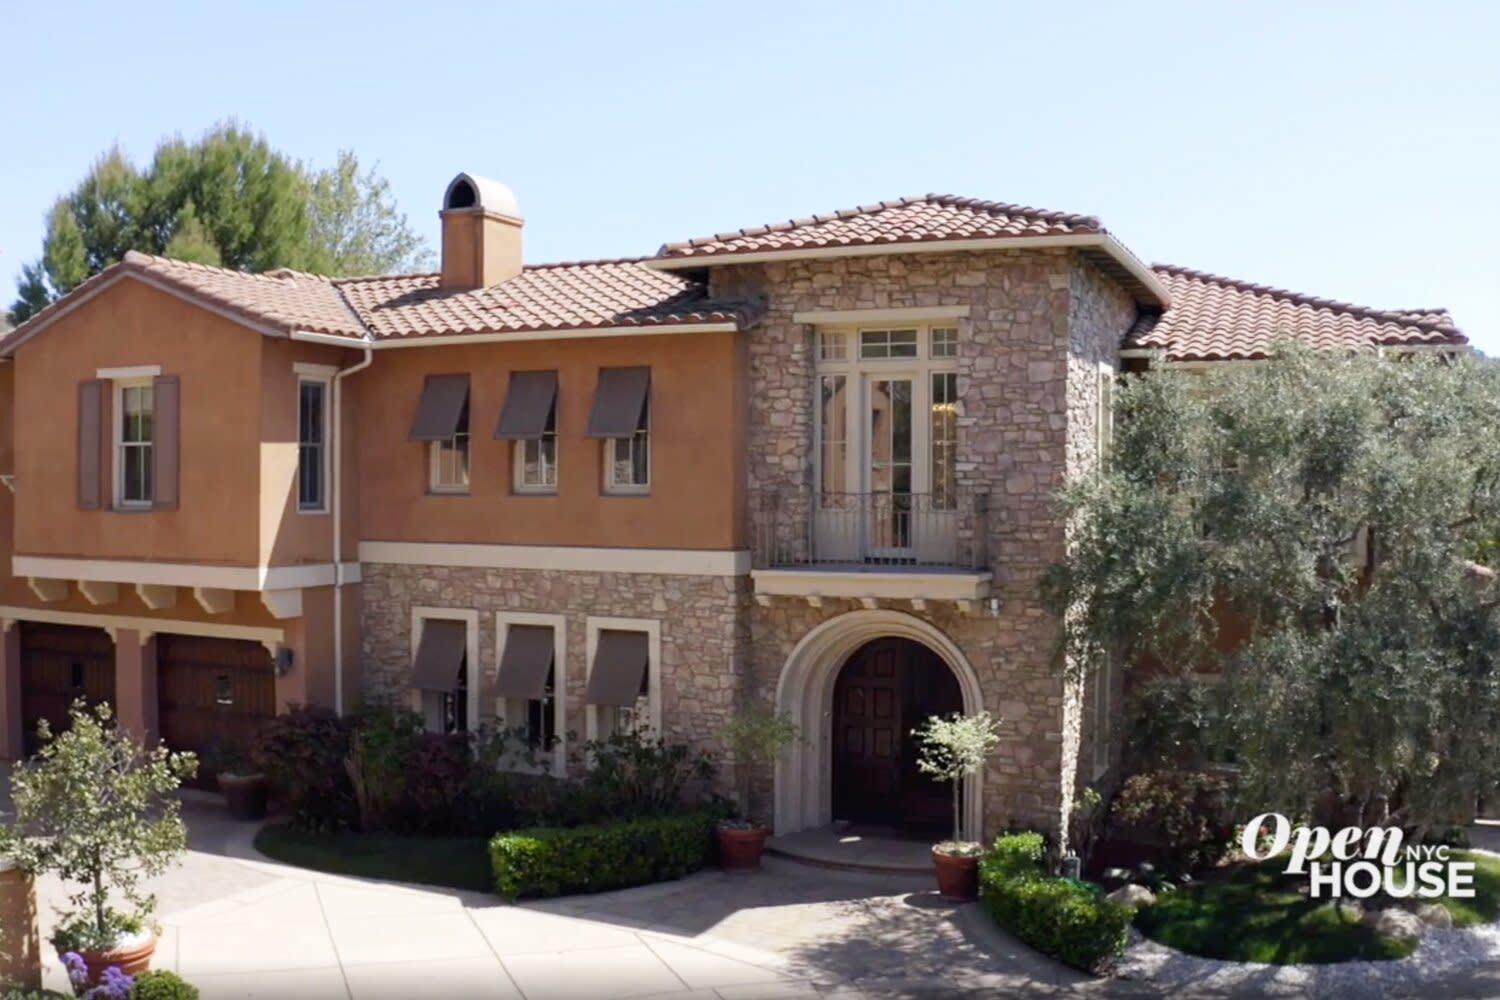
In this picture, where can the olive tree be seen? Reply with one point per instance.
(1317, 530)
(97, 808)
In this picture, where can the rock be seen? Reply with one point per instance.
(1132, 895)
(1402, 925)
(1434, 915)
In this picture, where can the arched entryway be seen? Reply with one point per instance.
(806, 694)
(887, 688)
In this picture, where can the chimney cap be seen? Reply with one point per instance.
(470, 191)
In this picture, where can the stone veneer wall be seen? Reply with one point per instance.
(702, 631)
(1037, 318)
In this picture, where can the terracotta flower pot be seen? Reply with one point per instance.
(131, 959)
(957, 876)
(740, 849)
(245, 795)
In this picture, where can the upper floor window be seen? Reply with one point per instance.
(622, 418)
(442, 420)
(887, 344)
(529, 418)
(943, 342)
(312, 445)
(133, 437)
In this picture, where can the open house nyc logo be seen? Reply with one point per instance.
(1359, 861)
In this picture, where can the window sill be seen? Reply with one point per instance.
(314, 511)
(644, 491)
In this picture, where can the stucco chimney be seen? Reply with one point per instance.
(481, 233)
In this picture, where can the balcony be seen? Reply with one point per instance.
(868, 546)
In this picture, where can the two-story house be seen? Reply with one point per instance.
(809, 465)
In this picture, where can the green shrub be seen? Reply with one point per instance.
(631, 775)
(1184, 812)
(1057, 917)
(549, 861)
(159, 984)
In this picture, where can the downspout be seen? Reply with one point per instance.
(338, 529)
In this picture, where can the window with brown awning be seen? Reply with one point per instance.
(440, 655)
(528, 403)
(526, 662)
(618, 402)
(618, 673)
(439, 409)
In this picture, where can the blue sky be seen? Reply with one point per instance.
(1350, 150)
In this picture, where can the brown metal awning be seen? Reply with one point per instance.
(528, 404)
(441, 406)
(526, 662)
(618, 402)
(619, 668)
(440, 655)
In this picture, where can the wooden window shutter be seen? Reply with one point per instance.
(166, 434)
(90, 444)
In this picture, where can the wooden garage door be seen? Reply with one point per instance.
(212, 690)
(60, 663)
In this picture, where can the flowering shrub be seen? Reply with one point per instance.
(113, 984)
(1184, 812)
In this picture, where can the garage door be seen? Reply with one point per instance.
(212, 690)
(60, 663)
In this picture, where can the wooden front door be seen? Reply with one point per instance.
(888, 688)
(212, 692)
(59, 664)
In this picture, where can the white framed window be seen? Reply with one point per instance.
(601, 721)
(627, 461)
(134, 409)
(877, 344)
(313, 421)
(455, 708)
(448, 459)
(544, 720)
(887, 420)
(833, 345)
(943, 342)
(536, 459)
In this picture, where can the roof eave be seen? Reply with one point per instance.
(497, 337)
(1154, 291)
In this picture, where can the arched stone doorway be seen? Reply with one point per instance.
(805, 693)
(887, 688)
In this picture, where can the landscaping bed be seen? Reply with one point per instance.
(1255, 913)
(450, 862)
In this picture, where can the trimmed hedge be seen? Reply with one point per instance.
(1056, 917)
(553, 861)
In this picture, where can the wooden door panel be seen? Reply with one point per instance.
(60, 663)
(211, 691)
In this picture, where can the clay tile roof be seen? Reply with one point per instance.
(1212, 318)
(925, 219)
(585, 295)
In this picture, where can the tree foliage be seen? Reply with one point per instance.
(97, 808)
(227, 199)
(1309, 528)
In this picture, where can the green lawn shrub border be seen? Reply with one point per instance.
(1057, 917)
(553, 861)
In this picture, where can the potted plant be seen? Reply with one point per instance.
(756, 737)
(97, 808)
(244, 787)
(952, 748)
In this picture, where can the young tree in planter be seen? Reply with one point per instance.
(1316, 529)
(756, 737)
(952, 748)
(97, 808)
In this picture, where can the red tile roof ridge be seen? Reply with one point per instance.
(946, 200)
(1413, 317)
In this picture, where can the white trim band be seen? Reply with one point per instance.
(212, 630)
(169, 574)
(812, 582)
(136, 371)
(663, 562)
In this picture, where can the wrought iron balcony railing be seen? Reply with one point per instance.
(871, 531)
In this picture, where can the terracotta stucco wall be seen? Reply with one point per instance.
(127, 325)
(696, 447)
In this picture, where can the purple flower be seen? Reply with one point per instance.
(78, 970)
(113, 985)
